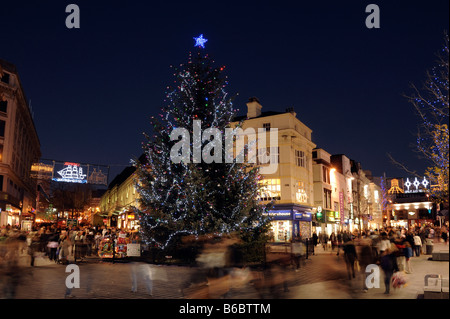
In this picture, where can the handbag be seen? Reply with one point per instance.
(398, 280)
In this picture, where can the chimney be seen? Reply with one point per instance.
(253, 108)
(291, 110)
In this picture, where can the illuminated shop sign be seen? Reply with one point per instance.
(279, 213)
(302, 216)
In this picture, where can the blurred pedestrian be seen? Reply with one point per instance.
(334, 242)
(383, 244)
(444, 235)
(297, 252)
(365, 258)
(339, 242)
(417, 245)
(141, 272)
(324, 241)
(388, 263)
(53, 246)
(64, 249)
(350, 258)
(408, 254)
(34, 247)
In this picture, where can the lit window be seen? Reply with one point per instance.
(270, 189)
(301, 194)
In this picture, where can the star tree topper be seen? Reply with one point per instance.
(200, 41)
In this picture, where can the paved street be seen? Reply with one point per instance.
(323, 276)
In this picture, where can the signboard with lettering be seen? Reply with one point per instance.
(303, 216)
(133, 250)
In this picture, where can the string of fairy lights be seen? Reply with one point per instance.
(195, 198)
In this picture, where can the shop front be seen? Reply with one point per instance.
(289, 222)
(10, 215)
(128, 220)
(332, 222)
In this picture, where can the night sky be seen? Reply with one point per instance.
(94, 89)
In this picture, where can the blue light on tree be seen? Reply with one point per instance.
(200, 41)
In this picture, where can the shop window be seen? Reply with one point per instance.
(280, 231)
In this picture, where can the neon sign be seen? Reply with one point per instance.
(72, 173)
(416, 185)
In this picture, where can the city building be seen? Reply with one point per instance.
(119, 200)
(366, 208)
(290, 186)
(324, 216)
(409, 203)
(19, 149)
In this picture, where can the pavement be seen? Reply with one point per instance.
(321, 276)
(353, 289)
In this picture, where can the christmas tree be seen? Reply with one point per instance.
(186, 195)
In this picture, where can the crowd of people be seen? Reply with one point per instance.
(391, 248)
(58, 244)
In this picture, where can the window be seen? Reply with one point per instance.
(1, 183)
(2, 128)
(326, 174)
(3, 106)
(270, 156)
(5, 78)
(300, 158)
(266, 126)
(327, 198)
(270, 189)
(366, 191)
(301, 194)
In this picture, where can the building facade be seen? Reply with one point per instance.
(118, 202)
(290, 186)
(19, 149)
(366, 206)
(409, 203)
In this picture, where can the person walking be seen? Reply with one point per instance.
(350, 258)
(365, 258)
(33, 247)
(339, 242)
(388, 263)
(417, 245)
(408, 254)
(53, 246)
(444, 235)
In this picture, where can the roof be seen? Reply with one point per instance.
(127, 172)
(263, 114)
